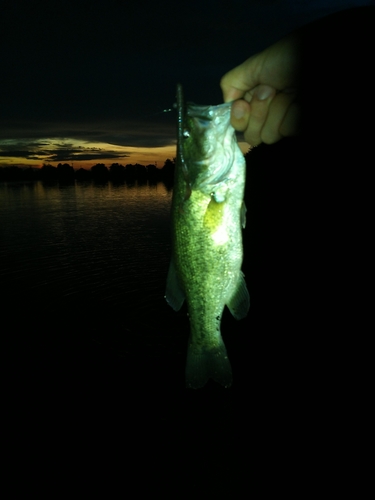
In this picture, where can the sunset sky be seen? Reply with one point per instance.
(86, 82)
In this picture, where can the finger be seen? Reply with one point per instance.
(236, 82)
(282, 118)
(260, 101)
(242, 111)
(240, 114)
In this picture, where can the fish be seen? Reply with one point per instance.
(207, 215)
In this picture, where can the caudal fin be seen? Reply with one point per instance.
(204, 363)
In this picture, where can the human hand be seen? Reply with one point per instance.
(267, 84)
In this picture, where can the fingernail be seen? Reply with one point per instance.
(238, 112)
(263, 92)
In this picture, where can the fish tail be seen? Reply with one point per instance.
(205, 362)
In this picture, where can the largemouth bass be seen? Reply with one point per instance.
(208, 214)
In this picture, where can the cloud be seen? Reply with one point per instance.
(16, 153)
(51, 151)
(146, 134)
(73, 155)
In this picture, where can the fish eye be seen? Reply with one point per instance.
(186, 133)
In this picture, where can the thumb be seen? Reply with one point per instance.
(239, 80)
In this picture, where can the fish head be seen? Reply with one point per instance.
(207, 145)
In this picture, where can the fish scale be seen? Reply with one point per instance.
(207, 220)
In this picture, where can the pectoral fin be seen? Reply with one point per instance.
(174, 295)
(240, 301)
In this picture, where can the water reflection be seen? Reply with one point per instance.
(107, 242)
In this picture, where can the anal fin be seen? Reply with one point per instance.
(174, 295)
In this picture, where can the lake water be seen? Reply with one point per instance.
(85, 239)
(83, 268)
(91, 257)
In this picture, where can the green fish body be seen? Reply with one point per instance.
(208, 214)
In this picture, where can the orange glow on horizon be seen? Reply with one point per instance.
(116, 154)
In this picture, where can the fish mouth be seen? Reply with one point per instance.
(200, 113)
(207, 113)
(213, 164)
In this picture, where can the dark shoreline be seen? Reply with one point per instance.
(99, 172)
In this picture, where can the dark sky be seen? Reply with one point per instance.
(92, 72)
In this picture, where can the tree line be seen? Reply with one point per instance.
(65, 172)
